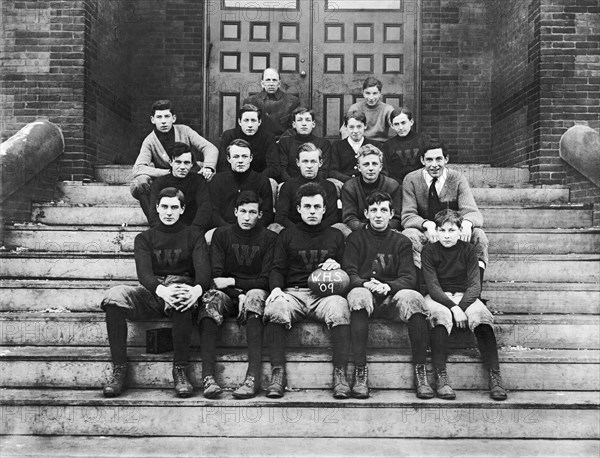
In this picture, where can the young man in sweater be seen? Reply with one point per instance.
(192, 185)
(285, 150)
(173, 268)
(356, 190)
(383, 279)
(249, 129)
(299, 250)
(309, 159)
(153, 160)
(433, 188)
(241, 257)
(450, 270)
(225, 187)
(377, 112)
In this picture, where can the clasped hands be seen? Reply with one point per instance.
(179, 296)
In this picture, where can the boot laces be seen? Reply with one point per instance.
(118, 373)
(362, 373)
(421, 373)
(495, 378)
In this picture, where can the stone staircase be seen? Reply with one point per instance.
(542, 285)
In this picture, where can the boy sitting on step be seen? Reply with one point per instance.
(451, 273)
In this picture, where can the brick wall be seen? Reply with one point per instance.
(455, 77)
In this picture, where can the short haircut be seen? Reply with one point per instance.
(366, 150)
(247, 197)
(162, 105)
(249, 107)
(178, 149)
(355, 114)
(308, 146)
(239, 142)
(399, 111)
(309, 190)
(171, 192)
(434, 144)
(448, 216)
(377, 197)
(262, 77)
(371, 82)
(302, 110)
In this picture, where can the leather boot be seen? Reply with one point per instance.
(117, 382)
(341, 389)
(360, 389)
(276, 386)
(424, 391)
(442, 382)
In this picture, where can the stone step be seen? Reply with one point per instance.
(111, 446)
(557, 216)
(478, 175)
(523, 267)
(89, 367)
(504, 297)
(103, 239)
(89, 329)
(99, 193)
(315, 414)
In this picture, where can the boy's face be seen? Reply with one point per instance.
(163, 120)
(448, 234)
(247, 215)
(303, 123)
(402, 125)
(240, 158)
(312, 209)
(309, 163)
(181, 165)
(379, 215)
(370, 167)
(434, 162)
(270, 81)
(249, 122)
(356, 129)
(372, 95)
(169, 210)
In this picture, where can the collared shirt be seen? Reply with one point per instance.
(439, 184)
(356, 145)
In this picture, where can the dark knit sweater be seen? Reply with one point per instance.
(343, 164)
(260, 144)
(285, 151)
(354, 198)
(298, 252)
(245, 255)
(386, 256)
(197, 199)
(287, 213)
(224, 189)
(171, 250)
(166, 139)
(401, 155)
(453, 270)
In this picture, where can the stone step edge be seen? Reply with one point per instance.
(307, 355)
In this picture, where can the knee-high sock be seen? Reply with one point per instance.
(359, 334)
(418, 335)
(276, 341)
(254, 337)
(116, 327)
(439, 346)
(182, 336)
(144, 199)
(340, 335)
(208, 345)
(486, 341)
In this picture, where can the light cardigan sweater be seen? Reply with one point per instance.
(154, 161)
(455, 194)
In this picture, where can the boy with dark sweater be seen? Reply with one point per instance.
(451, 274)
(193, 186)
(241, 257)
(225, 187)
(249, 129)
(299, 250)
(153, 160)
(173, 269)
(383, 279)
(309, 159)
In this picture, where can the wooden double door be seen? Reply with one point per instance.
(323, 49)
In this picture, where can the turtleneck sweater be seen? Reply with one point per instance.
(260, 144)
(402, 155)
(285, 154)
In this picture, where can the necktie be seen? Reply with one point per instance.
(433, 201)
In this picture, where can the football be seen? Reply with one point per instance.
(327, 282)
